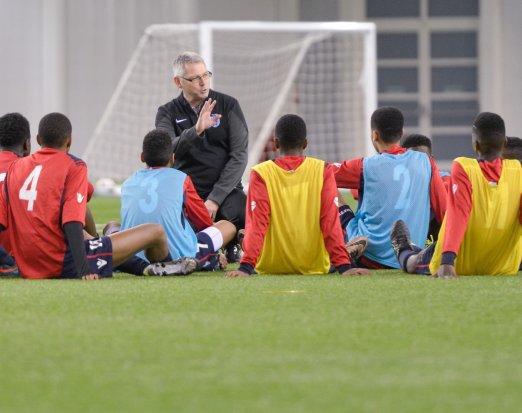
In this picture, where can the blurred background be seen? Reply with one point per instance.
(440, 61)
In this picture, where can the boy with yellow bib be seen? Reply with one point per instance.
(481, 232)
(292, 221)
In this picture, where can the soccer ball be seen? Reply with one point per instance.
(107, 187)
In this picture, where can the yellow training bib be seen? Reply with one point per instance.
(294, 241)
(492, 242)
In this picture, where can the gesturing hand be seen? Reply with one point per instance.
(205, 118)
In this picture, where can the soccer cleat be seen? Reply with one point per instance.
(400, 238)
(181, 266)
(356, 247)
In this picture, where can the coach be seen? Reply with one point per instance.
(210, 139)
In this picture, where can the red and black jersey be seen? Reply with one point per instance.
(6, 159)
(42, 192)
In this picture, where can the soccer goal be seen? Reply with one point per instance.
(324, 72)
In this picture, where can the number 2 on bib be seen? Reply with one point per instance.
(28, 190)
(402, 175)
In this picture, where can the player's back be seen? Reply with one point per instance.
(396, 186)
(156, 196)
(492, 243)
(294, 241)
(44, 191)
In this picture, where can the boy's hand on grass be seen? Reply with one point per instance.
(356, 271)
(236, 273)
(223, 262)
(446, 271)
(90, 277)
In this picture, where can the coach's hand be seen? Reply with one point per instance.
(236, 273)
(446, 271)
(205, 118)
(212, 208)
(356, 271)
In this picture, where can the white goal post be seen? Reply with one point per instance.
(325, 72)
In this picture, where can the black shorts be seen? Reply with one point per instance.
(207, 257)
(99, 258)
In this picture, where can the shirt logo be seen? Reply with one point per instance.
(336, 201)
(79, 197)
(95, 243)
(216, 121)
(2, 176)
(101, 263)
(181, 120)
(454, 188)
(253, 206)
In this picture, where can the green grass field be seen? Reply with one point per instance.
(384, 343)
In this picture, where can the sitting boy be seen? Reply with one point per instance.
(292, 221)
(164, 195)
(481, 232)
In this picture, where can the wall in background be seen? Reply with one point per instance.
(68, 55)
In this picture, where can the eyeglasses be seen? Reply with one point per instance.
(205, 76)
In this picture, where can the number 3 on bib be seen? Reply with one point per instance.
(28, 190)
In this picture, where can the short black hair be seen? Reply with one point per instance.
(157, 148)
(291, 131)
(14, 130)
(414, 140)
(54, 129)
(512, 148)
(490, 130)
(389, 121)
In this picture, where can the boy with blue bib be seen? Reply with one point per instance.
(394, 184)
(163, 195)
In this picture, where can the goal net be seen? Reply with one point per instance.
(324, 72)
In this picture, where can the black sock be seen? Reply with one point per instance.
(134, 265)
(403, 258)
(345, 215)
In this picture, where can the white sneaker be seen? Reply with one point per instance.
(181, 266)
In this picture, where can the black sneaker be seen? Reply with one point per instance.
(8, 271)
(356, 247)
(400, 238)
(181, 266)
(233, 253)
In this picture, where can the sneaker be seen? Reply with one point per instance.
(181, 266)
(400, 238)
(356, 247)
(9, 271)
(111, 228)
(233, 253)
